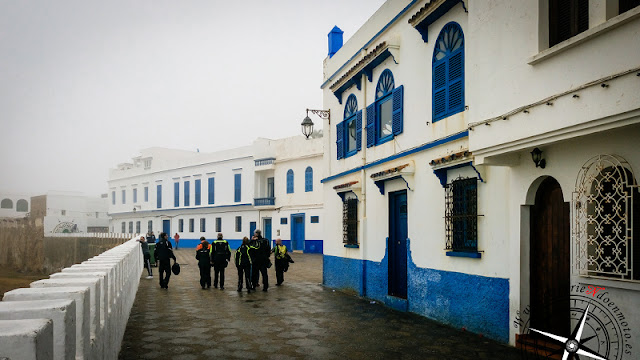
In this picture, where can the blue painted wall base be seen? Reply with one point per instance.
(478, 303)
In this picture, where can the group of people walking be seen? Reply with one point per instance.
(252, 259)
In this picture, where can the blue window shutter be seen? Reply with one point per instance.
(439, 90)
(340, 140)
(187, 193)
(159, 196)
(197, 185)
(456, 82)
(212, 190)
(398, 110)
(371, 125)
(176, 194)
(238, 187)
(359, 130)
(308, 179)
(290, 181)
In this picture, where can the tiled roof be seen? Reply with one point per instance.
(355, 68)
(450, 158)
(422, 11)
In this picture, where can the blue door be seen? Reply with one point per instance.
(297, 231)
(166, 227)
(397, 244)
(267, 229)
(252, 228)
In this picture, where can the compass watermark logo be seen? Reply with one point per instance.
(599, 329)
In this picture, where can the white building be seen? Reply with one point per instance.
(432, 199)
(232, 191)
(14, 205)
(73, 212)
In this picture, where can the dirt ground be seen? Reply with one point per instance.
(11, 279)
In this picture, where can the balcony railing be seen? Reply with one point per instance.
(268, 201)
(262, 162)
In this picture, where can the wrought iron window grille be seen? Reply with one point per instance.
(350, 221)
(461, 215)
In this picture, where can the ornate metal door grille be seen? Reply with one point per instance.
(603, 219)
(461, 215)
(350, 221)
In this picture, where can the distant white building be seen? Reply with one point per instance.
(14, 205)
(73, 212)
(433, 203)
(273, 185)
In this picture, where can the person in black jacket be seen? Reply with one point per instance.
(220, 256)
(163, 254)
(261, 254)
(243, 263)
(203, 255)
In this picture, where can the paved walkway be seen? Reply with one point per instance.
(298, 320)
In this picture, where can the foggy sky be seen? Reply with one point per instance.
(84, 85)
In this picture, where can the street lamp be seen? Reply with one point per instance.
(536, 156)
(307, 124)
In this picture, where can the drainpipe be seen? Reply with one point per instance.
(363, 181)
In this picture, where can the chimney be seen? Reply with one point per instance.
(335, 40)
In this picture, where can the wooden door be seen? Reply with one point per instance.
(550, 260)
(397, 245)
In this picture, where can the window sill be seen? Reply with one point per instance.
(453, 112)
(350, 153)
(473, 255)
(585, 36)
(352, 246)
(384, 140)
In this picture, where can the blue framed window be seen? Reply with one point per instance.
(308, 179)
(349, 131)
(203, 224)
(149, 225)
(283, 221)
(135, 196)
(218, 224)
(137, 227)
(238, 187)
(124, 196)
(191, 225)
(238, 223)
(113, 198)
(187, 193)
(146, 194)
(212, 190)
(385, 115)
(461, 215)
(176, 194)
(448, 72)
(124, 227)
(159, 196)
(197, 191)
(181, 225)
(290, 181)
(315, 219)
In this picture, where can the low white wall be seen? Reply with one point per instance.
(81, 312)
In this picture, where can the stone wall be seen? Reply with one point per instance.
(80, 312)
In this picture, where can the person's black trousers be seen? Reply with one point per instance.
(244, 271)
(205, 275)
(165, 273)
(280, 266)
(147, 263)
(218, 273)
(260, 268)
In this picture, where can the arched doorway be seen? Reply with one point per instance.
(550, 259)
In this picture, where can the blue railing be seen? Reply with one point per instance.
(268, 201)
(262, 162)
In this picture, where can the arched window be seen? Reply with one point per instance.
(384, 117)
(349, 131)
(6, 204)
(308, 179)
(448, 72)
(290, 181)
(22, 205)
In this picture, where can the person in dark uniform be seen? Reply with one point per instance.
(203, 255)
(163, 254)
(261, 254)
(146, 256)
(220, 256)
(243, 263)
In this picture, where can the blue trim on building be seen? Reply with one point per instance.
(473, 255)
(191, 208)
(192, 243)
(478, 303)
(423, 147)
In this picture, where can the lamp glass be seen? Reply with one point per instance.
(307, 126)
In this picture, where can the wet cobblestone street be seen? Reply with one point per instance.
(301, 319)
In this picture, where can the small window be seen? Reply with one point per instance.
(350, 220)
(176, 194)
(149, 225)
(315, 219)
(63, 212)
(159, 196)
(135, 196)
(203, 224)
(237, 187)
(283, 221)
(124, 227)
(349, 131)
(130, 227)
(6, 204)
(211, 190)
(146, 194)
(461, 215)
(567, 18)
(22, 205)
(187, 193)
(197, 185)
(218, 224)
(270, 188)
(191, 225)
(385, 115)
(113, 198)
(147, 164)
(124, 196)
(448, 72)
(238, 223)
(181, 225)
(137, 227)
(308, 179)
(290, 181)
